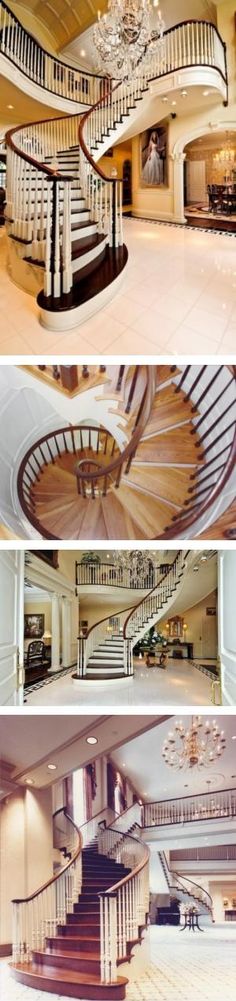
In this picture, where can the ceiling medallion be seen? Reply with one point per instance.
(125, 34)
(197, 747)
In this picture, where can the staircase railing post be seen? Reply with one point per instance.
(81, 667)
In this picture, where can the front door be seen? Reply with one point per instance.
(11, 626)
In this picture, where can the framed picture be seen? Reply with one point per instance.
(154, 156)
(34, 627)
(211, 611)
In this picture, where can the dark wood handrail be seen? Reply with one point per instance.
(26, 900)
(55, 59)
(85, 150)
(145, 598)
(106, 617)
(185, 522)
(173, 872)
(127, 453)
(134, 872)
(43, 167)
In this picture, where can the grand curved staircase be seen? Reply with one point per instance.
(186, 891)
(74, 934)
(64, 212)
(106, 656)
(173, 478)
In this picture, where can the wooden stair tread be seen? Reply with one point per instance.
(171, 484)
(79, 954)
(93, 524)
(168, 408)
(67, 976)
(81, 247)
(164, 373)
(119, 523)
(152, 516)
(83, 289)
(171, 446)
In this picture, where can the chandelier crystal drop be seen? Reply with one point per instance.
(196, 747)
(138, 563)
(125, 34)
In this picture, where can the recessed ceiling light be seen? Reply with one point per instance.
(29, 782)
(82, 53)
(52, 768)
(91, 740)
(184, 93)
(205, 93)
(108, 556)
(173, 104)
(164, 100)
(203, 559)
(195, 569)
(10, 106)
(234, 736)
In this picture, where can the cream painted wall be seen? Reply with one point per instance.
(93, 613)
(220, 891)
(121, 153)
(25, 849)
(202, 629)
(159, 202)
(33, 25)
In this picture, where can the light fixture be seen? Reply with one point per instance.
(91, 740)
(82, 53)
(183, 93)
(11, 107)
(164, 100)
(197, 747)
(29, 782)
(203, 559)
(205, 93)
(234, 736)
(195, 569)
(123, 36)
(51, 768)
(138, 564)
(225, 158)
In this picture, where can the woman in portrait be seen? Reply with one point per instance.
(153, 168)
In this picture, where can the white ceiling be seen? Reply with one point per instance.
(142, 760)
(28, 743)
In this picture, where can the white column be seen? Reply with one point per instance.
(227, 624)
(66, 631)
(55, 656)
(178, 186)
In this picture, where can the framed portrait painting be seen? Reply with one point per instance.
(34, 627)
(154, 157)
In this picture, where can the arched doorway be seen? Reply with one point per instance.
(178, 157)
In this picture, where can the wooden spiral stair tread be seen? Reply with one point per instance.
(170, 446)
(69, 983)
(168, 408)
(171, 484)
(151, 515)
(119, 523)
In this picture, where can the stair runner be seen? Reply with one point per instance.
(70, 962)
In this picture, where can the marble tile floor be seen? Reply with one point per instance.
(202, 968)
(178, 296)
(179, 684)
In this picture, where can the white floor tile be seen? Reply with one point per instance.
(186, 277)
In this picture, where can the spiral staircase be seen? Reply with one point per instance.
(64, 212)
(172, 479)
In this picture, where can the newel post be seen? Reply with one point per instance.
(81, 666)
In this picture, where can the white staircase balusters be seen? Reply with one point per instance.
(124, 907)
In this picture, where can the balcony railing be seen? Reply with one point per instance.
(190, 809)
(102, 574)
(42, 68)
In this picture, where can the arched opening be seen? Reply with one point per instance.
(204, 176)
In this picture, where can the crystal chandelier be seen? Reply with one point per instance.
(225, 157)
(139, 563)
(124, 34)
(197, 747)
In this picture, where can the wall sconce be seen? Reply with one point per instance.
(185, 626)
(47, 636)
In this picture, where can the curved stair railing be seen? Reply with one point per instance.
(213, 421)
(150, 606)
(139, 615)
(218, 442)
(103, 195)
(44, 69)
(124, 907)
(37, 916)
(186, 886)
